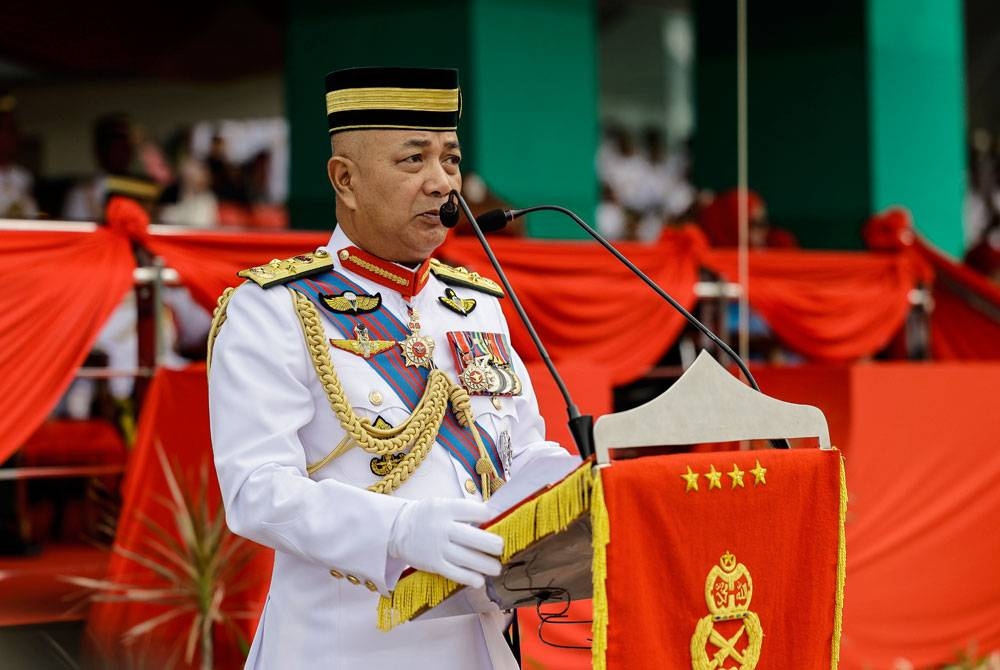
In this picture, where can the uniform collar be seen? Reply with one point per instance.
(406, 281)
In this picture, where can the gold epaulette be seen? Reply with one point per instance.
(459, 276)
(282, 271)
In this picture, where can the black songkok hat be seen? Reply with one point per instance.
(408, 98)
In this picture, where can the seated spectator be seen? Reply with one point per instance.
(984, 256)
(16, 183)
(720, 221)
(114, 151)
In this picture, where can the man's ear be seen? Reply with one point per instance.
(342, 173)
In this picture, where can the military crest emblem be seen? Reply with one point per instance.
(730, 636)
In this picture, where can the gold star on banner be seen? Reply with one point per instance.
(737, 476)
(714, 478)
(692, 480)
(759, 473)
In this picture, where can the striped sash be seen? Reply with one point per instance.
(407, 382)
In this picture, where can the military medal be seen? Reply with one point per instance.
(483, 361)
(452, 301)
(477, 377)
(363, 345)
(506, 453)
(418, 349)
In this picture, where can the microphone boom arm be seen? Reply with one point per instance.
(581, 426)
(513, 214)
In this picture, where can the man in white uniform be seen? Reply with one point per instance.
(365, 400)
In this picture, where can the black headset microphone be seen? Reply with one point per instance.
(581, 426)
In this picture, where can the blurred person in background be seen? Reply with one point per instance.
(227, 180)
(481, 199)
(115, 152)
(984, 255)
(720, 221)
(16, 182)
(982, 195)
(195, 204)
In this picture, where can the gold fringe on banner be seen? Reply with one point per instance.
(549, 512)
(838, 615)
(601, 530)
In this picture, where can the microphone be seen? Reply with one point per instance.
(498, 218)
(449, 212)
(449, 217)
(581, 426)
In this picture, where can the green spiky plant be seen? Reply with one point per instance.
(200, 563)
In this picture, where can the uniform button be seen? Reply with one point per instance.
(354, 580)
(470, 486)
(344, 254)
(370, 585)
(375, 398)
(322, 253)
(337, 573)
(497, 402)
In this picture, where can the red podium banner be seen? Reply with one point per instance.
(725, 560)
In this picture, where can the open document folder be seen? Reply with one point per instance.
(543, 514)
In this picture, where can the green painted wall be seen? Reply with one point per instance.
(528, 76)
(853, 106)
(535, 106)
(808, 155)
(917, 84)
(325, 36)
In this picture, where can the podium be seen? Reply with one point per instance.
(695, 561)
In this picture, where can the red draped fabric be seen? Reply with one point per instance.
(922, 449)
(59, 289)
(174, 420)
(585, 305)
(828, 305)
(208, 261)
(965, 323)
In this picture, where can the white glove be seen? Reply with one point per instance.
(435, 535)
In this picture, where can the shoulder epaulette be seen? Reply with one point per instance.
(283, 271)
(459, 276)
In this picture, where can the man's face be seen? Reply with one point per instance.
(400, 180)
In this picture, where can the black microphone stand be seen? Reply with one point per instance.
(510, 215)
(581, 426)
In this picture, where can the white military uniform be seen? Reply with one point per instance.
(270, 418)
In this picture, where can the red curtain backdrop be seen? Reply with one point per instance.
(59, 289)
(923, 459)
(666, 538)
(585, 305)
(829, 306)
(965, 323)
(209, 260)
(174, 419)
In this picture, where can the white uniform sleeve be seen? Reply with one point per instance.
(259, 398)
